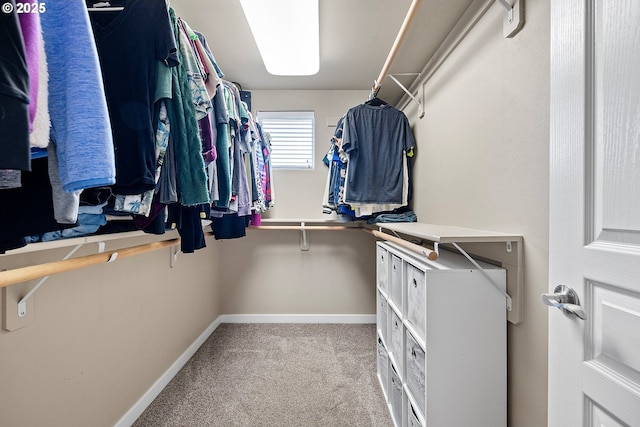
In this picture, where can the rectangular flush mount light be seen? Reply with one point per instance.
(287, 33)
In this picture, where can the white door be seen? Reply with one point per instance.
(594, 364)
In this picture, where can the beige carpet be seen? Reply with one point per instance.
(276, 375)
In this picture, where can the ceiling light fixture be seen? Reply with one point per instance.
(287, 33)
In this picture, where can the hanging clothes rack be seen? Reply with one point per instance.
(304, 228)
(23, 274)
(377, 84)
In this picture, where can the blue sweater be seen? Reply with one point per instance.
(80, 125)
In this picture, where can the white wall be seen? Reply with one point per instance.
(482, 162)
(299, 193)
(266, 272)
(101, 336)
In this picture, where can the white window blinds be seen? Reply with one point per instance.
(291, 138)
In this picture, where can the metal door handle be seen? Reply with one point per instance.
(566, 300)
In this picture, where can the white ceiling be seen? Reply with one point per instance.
(355, 39)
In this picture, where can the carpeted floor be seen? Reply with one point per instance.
(280, 375)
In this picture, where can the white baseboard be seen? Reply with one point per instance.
(298, 318)
(136, 410)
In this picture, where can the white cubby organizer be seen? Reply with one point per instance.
(441, 339)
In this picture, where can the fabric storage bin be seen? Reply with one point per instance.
(396, 281)
(416, 300)
(383, 368)
(415, 371)
(412, 417)
(396, 335)
(395, 397)
(383, 324)
(382, 266)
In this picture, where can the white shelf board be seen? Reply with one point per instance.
(448, 233)
(94, 238)
(483, 243)
(307, 221)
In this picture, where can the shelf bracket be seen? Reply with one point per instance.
(174, 251)
(409, 94)
(514, 20)
(22, 304)
(479, 267)
(304, 238)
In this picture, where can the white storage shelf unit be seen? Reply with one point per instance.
(441, 339)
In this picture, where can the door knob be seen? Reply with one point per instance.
(566, 300)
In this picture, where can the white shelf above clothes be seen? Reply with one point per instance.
(93, 238)
(448, 233)
(505, 249)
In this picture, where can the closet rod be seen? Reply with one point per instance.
(430, 254)
(305, 227)
(377, 84)
(23, 274)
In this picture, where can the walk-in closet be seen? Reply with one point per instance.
(425, 217)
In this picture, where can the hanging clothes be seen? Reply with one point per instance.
(41, 123)
(336, 159)
(240, 178)
(142, 204)
(30, 30)
(80, 127)
(209, 53)
(188, 221)
(267, 171)
(230, 221)
(90, 217)
(194, 70)
(30, 27)
(257, 161)
(28, 210)
(377, 138)
(138, 111)
(223, 146)
(191, 174)
(14, 95)
(369, 171)
(129, 43)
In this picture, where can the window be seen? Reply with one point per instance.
(291, 138)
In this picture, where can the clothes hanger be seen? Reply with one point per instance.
(104, 6)
(376, 102)
(373, 98)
